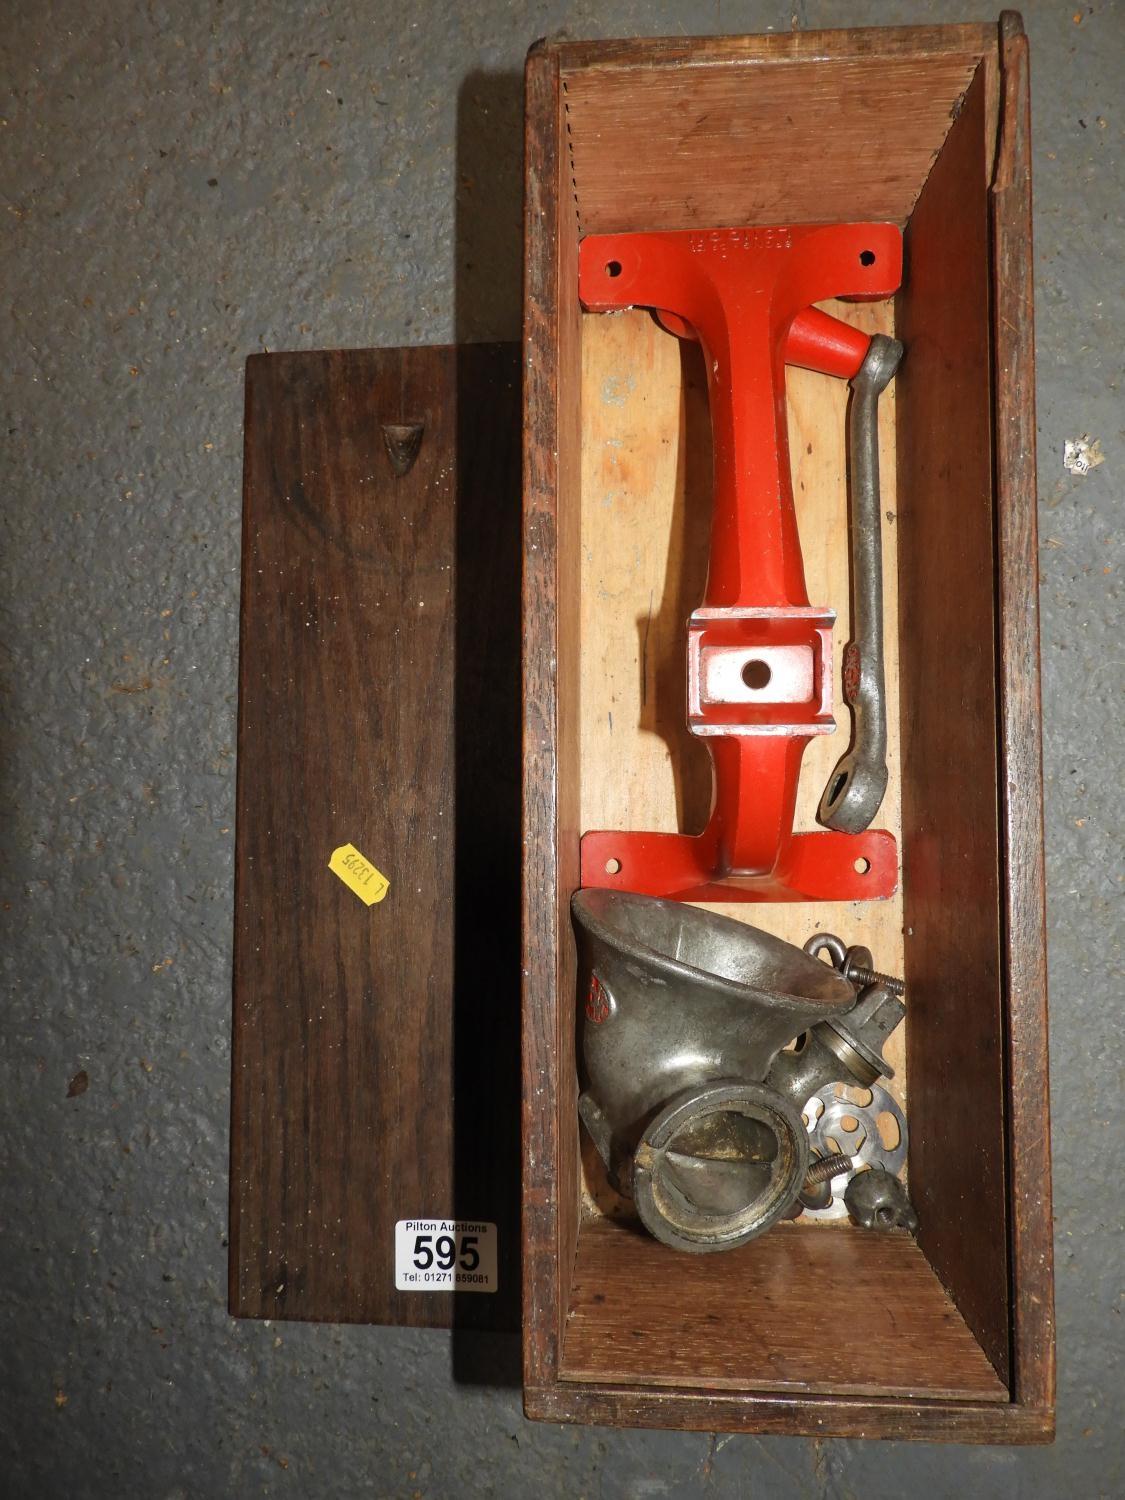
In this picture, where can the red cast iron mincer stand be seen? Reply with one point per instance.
(759, 658)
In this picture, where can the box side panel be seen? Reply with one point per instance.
(807, 142)
(870, 42)
(759, 1318)
(695, 1410)
(1025, 953)
(571, 710)
(951, 855)
(550, 664)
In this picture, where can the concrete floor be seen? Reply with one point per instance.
(187, 183)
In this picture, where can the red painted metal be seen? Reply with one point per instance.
(759, 655)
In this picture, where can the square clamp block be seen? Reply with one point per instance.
(760, 671)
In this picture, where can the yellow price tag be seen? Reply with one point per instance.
(358, 874)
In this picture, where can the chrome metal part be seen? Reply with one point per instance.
(856, 787)
(851, 963)
(822, 942)
(852, 1130)
(688, 1094)
(817, 1191)
(685, 1015)
(877, 1200)
(845, 1048)
(826, 1200)
(742, 1157)
(824, 1168)
(831, 1206)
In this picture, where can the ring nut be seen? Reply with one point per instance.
(666, 1170)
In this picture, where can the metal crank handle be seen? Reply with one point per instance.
(856, 787)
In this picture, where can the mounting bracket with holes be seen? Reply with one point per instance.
(759, 654)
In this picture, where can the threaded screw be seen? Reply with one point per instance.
(857, 974)
(825, 1168)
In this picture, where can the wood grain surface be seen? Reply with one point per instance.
(378, 707)
(602, 618)
(549, 1091)
(857, 143)
(847, 1312)
(1021, 779)
(788, 1415)
(951, 854)
(871, 43)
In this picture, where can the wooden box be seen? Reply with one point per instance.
(820, 1330)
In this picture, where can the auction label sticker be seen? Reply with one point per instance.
(443, 1255)
(359, 874)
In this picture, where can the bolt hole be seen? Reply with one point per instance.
(867, 257)
(885, 1215)
(837, 787)
(889, 1133)
(756, 675)
(862, 866)
(849, 1123)
(862, 1097)
(613, 268)
(613, 867)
